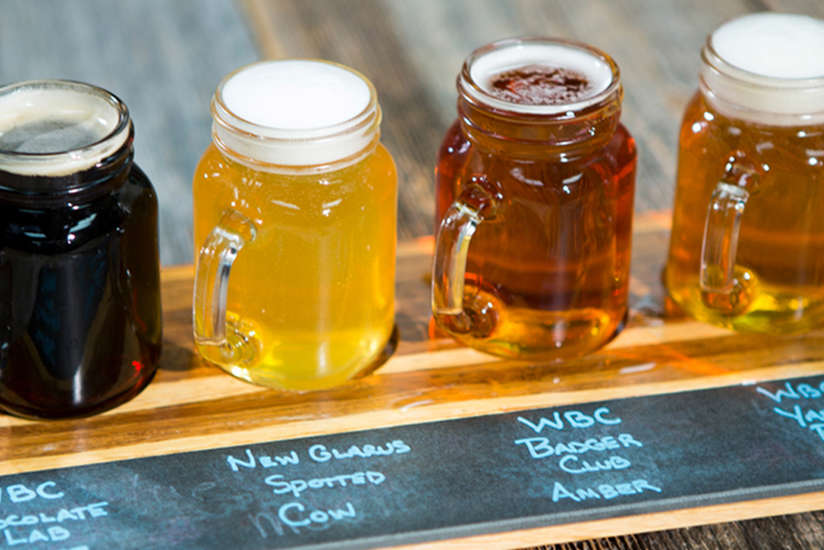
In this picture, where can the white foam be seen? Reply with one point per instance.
(777, 45)
(521, 54)
(295, 94)
(54, 128)
(766, 68)
(295, 113)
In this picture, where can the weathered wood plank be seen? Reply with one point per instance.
(163, 59)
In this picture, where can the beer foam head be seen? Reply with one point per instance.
(766, 68)
(296, 94)
(308, 112)
(54, 128)
(777, 45)
(563, 57)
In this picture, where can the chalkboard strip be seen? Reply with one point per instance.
(642, 523)
(464, 478)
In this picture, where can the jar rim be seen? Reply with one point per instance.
(711, 57)
(60, 163)
(743, 94)
(773, 101)
(277, 148)
(470, 89)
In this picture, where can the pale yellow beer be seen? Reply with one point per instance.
(310, 299)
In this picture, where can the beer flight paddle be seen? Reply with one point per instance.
(294, 230)
(295, 213)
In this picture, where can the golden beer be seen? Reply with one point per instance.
(779, 264)
(747, 244)
(310, 299)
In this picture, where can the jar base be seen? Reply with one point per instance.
(266, 376)
(546, 336)
(771, 309)
(35, 413)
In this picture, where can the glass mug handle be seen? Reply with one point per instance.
(211, 289)
(477, 202)
(721, 284)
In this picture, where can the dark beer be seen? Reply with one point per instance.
(80, 325)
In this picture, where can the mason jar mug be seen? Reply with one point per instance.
(535, 183)
(80, 316)
(295, 219)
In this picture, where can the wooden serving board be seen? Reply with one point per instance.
(193, 406)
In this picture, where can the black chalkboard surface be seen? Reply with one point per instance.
(437, 480)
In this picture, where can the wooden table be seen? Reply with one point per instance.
(412, 51)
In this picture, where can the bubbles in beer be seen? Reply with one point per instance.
(528, 75)
(777, 45)
(539, 85)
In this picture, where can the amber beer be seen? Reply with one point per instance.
(747, 245)
(535, 186)
(297, 197)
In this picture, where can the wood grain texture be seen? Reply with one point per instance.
(646, 522)
(191, 405)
